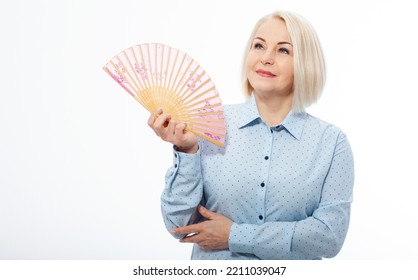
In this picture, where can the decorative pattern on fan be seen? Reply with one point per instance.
(157, 75)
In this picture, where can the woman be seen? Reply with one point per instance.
(282, 186)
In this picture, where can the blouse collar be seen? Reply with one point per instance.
(293, 123)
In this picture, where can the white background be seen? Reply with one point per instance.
(81, 173)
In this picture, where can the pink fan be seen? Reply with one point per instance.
(160, 76)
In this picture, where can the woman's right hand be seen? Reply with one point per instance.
(173, 132)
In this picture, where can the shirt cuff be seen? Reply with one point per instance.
(271, 240)
(241, 238)
(186, 164)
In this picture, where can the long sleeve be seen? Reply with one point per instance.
(320, 235)
(287, 188)
(183, 191)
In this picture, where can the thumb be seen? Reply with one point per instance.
(180, 127)
(207, 213)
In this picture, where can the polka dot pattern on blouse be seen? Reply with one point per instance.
(287, 188)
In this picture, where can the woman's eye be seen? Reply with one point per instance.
(284, 51)
(258, 46)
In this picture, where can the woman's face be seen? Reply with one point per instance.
(270, 60)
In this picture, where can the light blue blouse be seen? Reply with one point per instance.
(288, 188)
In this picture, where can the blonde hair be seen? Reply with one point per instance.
(308, 59)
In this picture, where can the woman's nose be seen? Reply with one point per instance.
(267, 58)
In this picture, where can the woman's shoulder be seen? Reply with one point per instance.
(234, 107)
(235, 111)
(315, 123)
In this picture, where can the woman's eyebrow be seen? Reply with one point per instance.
(279, 43)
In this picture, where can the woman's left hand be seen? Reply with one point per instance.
(212, 234)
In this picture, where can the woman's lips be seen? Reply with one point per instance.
(264, 73)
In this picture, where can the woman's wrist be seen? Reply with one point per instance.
(187, 150)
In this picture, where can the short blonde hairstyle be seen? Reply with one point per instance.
(308, 59)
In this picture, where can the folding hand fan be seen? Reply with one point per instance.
(157, 75)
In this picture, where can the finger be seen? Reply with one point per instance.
(180, 129)
(168, 132)
(195, 238)
(161, 121)
(207, 213)
(160, 127)
(195, 228)
(179, 132)
(204, 247)
(159, 124)
(154, 115)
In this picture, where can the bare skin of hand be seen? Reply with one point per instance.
(212, 234)
(173, 132)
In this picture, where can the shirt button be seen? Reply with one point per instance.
(266, 157)
(175, 165)
(260, 217)
(262, 184)
(175, 155)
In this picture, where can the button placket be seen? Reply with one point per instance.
(176, 160)
(262, 186)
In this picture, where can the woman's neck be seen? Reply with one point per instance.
(273, 109)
